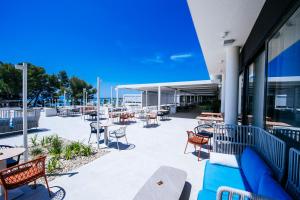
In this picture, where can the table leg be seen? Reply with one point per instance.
(106, 135)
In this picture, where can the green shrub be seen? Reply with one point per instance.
(53, 164)
(56, 146)
(86, 150)
(34, 140)
(68, 153)
(46, 140)
(36, 151)
(76, 148)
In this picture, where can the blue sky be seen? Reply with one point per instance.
(122, 41)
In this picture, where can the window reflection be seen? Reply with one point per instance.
(283, 86)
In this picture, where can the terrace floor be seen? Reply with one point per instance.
(120, 174)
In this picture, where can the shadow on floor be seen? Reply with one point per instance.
(188, 115)
(30, 131)
(151, 126)
(41, 193)
(186, 192)
(203, 154)
(122, 146)
(69, 174)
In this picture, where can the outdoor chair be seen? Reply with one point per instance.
(23, 174)
(153, 117)
(124, 117)
(196, 140)
(132, 116)
(93, 126)
(117, 134)
(11, 161)
(203, 130)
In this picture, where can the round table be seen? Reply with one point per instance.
(4, 155)
(9, 153)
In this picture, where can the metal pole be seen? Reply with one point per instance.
(146, 99)
(24, 101)
(98, 109)
(65, 99)
(111, 95)
(158, 96)
(25, 111)
(117, 97)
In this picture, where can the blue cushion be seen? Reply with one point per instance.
(253, 168)
(268, 187)
(219, 175)
(207, 194)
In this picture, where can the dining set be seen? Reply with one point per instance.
(14, 174)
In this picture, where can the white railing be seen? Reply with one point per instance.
(232, 139)
(293, 182)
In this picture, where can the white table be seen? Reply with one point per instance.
(4, 155)
(106, 125)
(165, 183)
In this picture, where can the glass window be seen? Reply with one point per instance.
(283, 86)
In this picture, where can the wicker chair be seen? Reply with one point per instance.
(202, 130)
(23, 174)
(196, 140)
(11, 161)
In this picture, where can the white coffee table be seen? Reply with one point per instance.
(165, 183)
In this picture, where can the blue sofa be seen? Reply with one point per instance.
(252, 176)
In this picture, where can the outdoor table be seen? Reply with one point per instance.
(204, 114)
(165, 183)
(105, 126)
(4, 155)
(216, 119)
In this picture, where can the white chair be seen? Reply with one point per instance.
(117, 134)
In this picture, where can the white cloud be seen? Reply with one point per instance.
(179, 57)
(154, 60)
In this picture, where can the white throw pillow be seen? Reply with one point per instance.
(224, 159)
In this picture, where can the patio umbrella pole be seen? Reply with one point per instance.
(98, 109)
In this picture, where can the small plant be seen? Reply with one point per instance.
(46, 140)
(68, 153)
(34, 140)
(53, 164)
(36, 151)
(56, 146)
(86, 150)
(76, 148)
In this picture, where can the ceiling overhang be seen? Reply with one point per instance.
(214, 17)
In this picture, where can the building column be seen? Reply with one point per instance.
(117, 97)
(146, 99)
(158, 98)
(231, 84)
(175, 98)
(223, 94)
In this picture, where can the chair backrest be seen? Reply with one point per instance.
(5, 146)
(232, 139)
(24, 173)
(93, 126)
(293, 181)
(202, 127)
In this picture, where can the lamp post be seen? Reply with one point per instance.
(23, 67)
(111, 95)
(65, 98)
(98, 109)
(83, 96)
